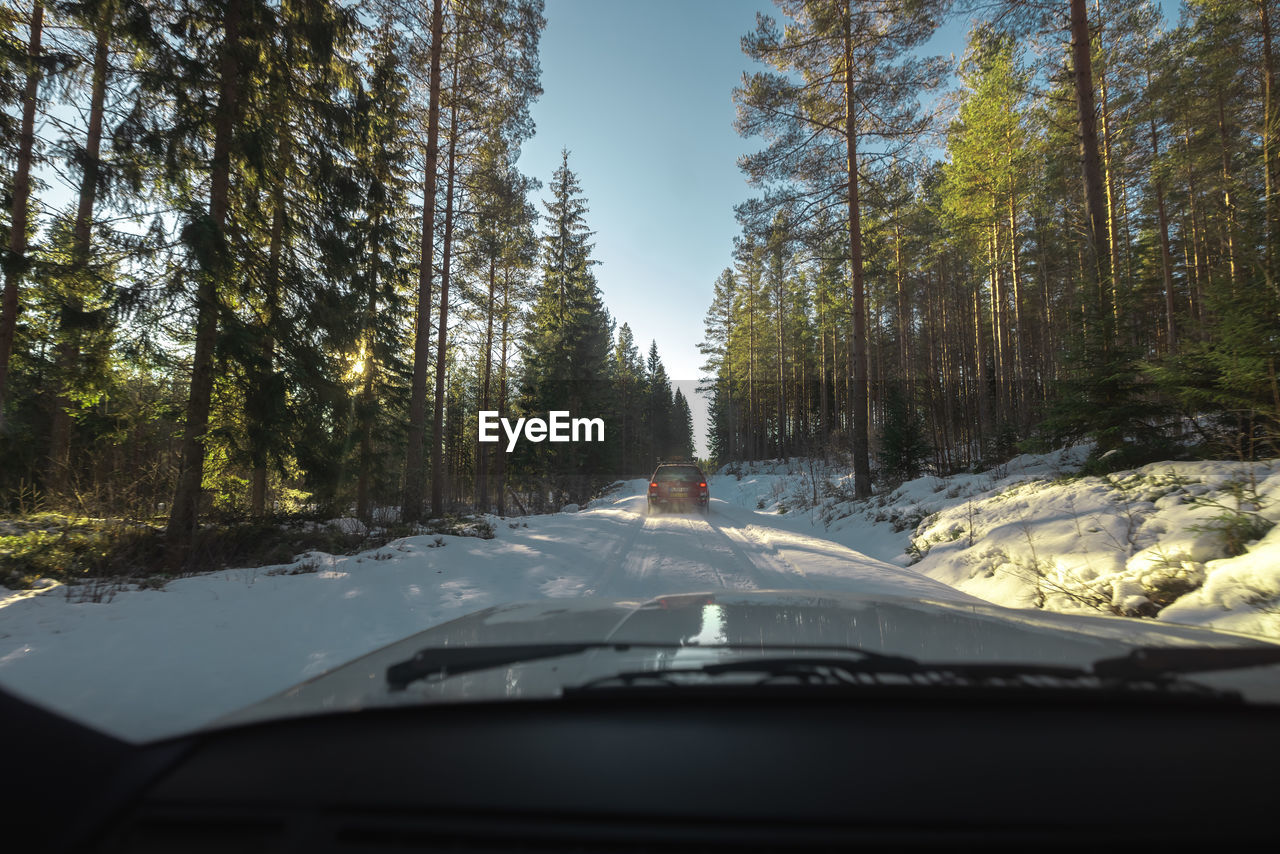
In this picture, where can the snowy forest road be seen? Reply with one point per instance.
(641, 555)
(150, 661)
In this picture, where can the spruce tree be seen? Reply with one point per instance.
(903, 447)
(566, 348)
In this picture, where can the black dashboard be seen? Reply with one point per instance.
(664, 774)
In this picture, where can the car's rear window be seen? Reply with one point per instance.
(677, 473)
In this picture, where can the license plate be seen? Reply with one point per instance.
(679, 490)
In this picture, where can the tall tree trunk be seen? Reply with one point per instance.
(824, 405)
(364, 476)
(1227, 205)
(779, 291)
(1091, 168)
(482, 451)
(1268, 142)
(1199, 259)
(186, 500)
(264, 375)
(1113, 230)
(858, 350)
(904, 316)
(500, 475)
(1166, 257)
(442, 336)
(15, 260)
(998, 363)
(1018, 377)
(414, 474)
(82, 234)
(752, 432)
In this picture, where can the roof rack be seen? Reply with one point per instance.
(681, 460)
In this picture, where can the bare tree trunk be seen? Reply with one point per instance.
(364, 509)
(1268, 141)
(1019, 357)
(442, 336)
(15, 260)
(1199, 259)
(1091, 168)
(186, 501)
(904, 315)
(1228, 206)
(263, 376)
(411, 509)
(858, 350)
(779, 293)
(501, 474)
(482, 451)
(1166, 258)
(1113, 230)
(59, 469)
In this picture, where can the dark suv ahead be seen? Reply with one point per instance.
(676, 486)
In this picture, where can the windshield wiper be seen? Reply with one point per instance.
(1155, 662)
(1147, 668)
(445, 661)
(880, 675)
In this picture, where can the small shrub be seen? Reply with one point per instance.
(1236, 526)
(307, 567)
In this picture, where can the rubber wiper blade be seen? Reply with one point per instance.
(445, 661)
(1166, 661)
(859, 671)
(862, 662)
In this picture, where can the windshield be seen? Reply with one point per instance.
(933, 331)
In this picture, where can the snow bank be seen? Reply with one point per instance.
(1178, 541)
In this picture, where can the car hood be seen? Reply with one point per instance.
(699, 627)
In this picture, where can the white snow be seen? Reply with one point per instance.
(155, 662)
(1150, 542)
(1032, 534)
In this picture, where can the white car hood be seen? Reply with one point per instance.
(929, 631)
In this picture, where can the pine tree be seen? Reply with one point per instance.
(844, 73)
(214, 109)
(903, 447)
(658, 421)
(383, 145)
(15, 259)
(682, 426)
(629, 379)
(566, 348)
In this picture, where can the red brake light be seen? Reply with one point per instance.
(653, 485)
(703, 484)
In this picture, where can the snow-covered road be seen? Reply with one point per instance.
(167, 660)
(732, 547)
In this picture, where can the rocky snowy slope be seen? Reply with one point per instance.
(1187, 542)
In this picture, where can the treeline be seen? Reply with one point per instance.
(1079, 241)
(243, 304)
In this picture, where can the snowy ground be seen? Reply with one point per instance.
(172, 659)
(1186, 542)
(1151, 542)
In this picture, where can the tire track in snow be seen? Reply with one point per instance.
(774, 560)
(611, 563)
(702, 542)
